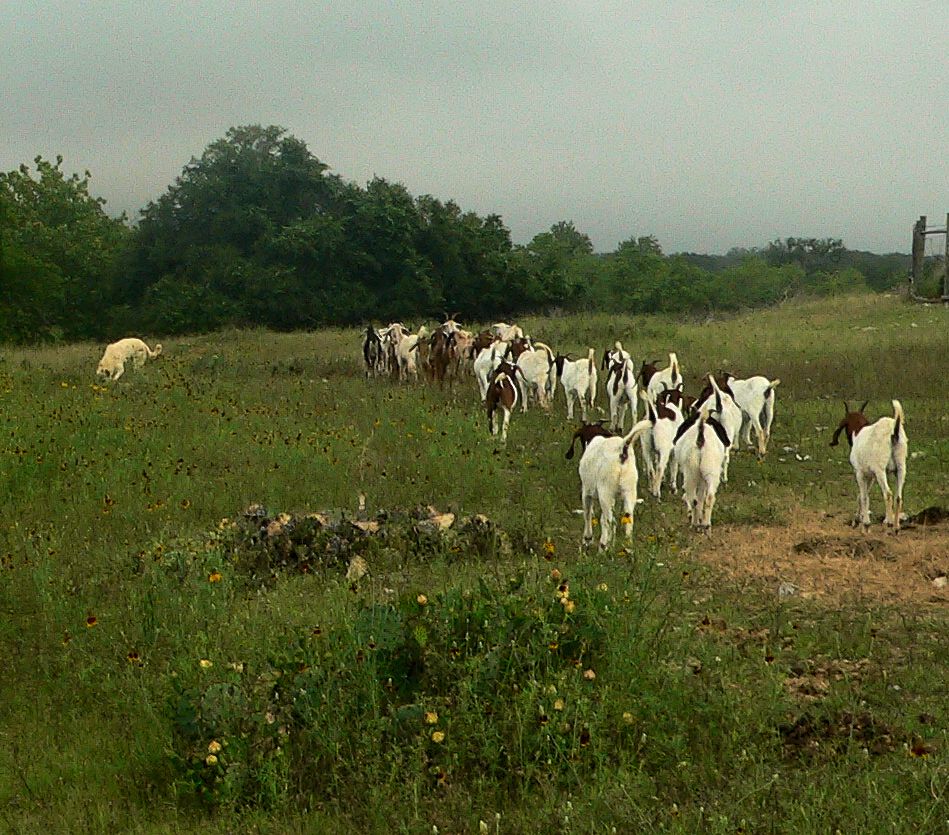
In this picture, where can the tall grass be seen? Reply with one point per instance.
(109, 513)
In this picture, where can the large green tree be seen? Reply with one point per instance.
(58, 250)
(218, 232)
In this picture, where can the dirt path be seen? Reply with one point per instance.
(822, 557)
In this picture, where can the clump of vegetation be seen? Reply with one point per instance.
(488, 683)
(258, 546)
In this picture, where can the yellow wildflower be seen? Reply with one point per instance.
(422, 600)
(431, 717)
(214, 746)
(214, 577)
(626, 519)
(558, 704)
(589, 675)
(211, 759)
(206, 663)
(438, 736)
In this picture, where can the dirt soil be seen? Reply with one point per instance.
(821, 557)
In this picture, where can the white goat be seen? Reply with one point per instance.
(622, 390)
(578, 378)
(112, 364)
(657, 381)
(487, 360)
(755, 396)
(406, 354)
(391, 336)
(700, 448)
(535, 366)
(506, 332)
(607, 472)
(877, 448)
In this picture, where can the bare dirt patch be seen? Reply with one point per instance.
(822, 557)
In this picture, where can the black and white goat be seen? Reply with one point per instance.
(700, 447)
(622, 391)
(658, 444)
(578, 378)
(721, 403)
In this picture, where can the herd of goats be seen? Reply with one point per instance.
(679, 434)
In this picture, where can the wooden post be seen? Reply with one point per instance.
(945, 267)
(919, 253)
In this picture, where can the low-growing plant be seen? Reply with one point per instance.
(490, 682)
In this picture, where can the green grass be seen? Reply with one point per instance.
(108, 495)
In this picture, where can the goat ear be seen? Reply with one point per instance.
(864, 406)
(836, 438)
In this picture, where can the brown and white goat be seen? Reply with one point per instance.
(503, 392)
(755, 396)
(654, 380)
(608, 472)
(875, 449)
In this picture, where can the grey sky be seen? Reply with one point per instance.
(710, 125)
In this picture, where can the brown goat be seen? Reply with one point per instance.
(852, 423)
(586, 433)
(646, 372)
(685, 402)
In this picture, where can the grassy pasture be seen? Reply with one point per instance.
(717, 705)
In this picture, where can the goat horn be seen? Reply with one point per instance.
(864, 406)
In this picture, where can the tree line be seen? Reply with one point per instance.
(257, 231)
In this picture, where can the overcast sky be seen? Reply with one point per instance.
(710, 125)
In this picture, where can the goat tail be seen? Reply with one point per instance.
(774, 384)
(637, 430)
(899, 421)
(543, 346)
(700, 437)
(674, 365)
